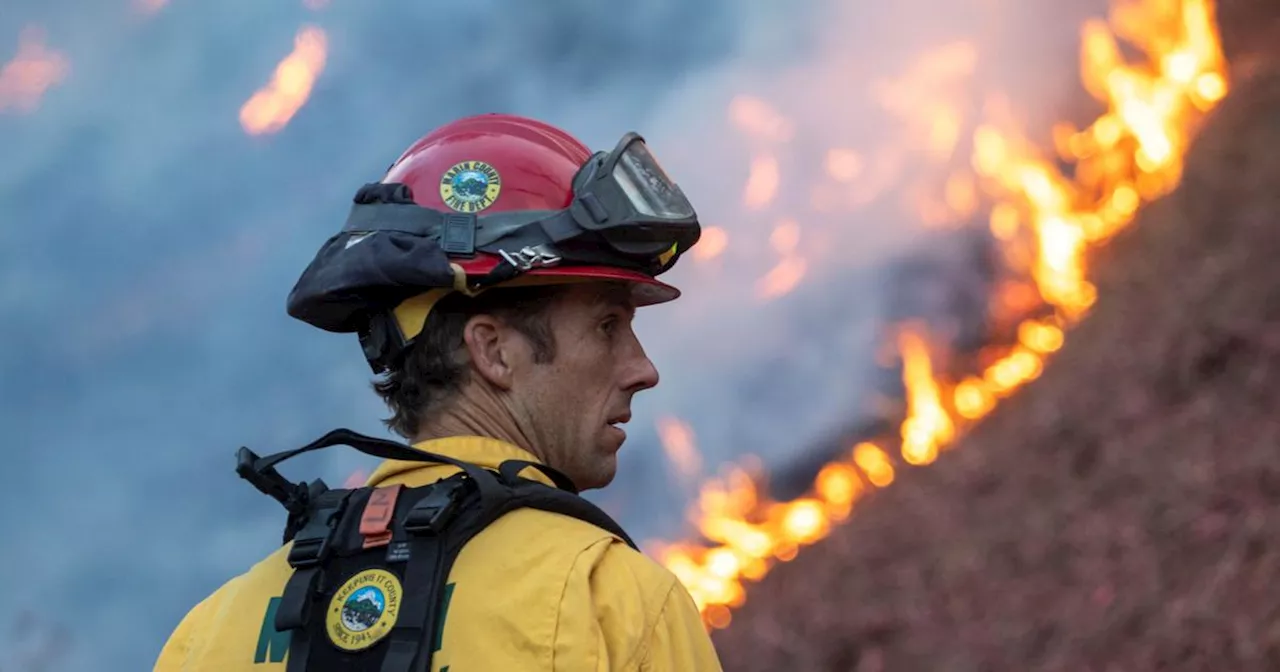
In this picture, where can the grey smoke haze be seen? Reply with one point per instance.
(147, 245)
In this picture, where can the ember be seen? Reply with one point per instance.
(271, 108)
(33, 71)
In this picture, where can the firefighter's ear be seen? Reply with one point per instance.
(492, 347)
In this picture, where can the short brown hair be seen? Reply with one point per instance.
(436, 365)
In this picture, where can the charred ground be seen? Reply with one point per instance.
(1123, 511)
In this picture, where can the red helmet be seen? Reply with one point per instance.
(493, 163)
(488, 200)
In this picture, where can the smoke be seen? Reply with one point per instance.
(33, 643)
(892, 91)
(147, 245)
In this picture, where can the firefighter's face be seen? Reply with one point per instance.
(574, 405)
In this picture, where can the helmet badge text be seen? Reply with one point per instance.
(470, 186)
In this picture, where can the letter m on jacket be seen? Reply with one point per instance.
(272, 644)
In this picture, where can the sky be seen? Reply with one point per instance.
(148, 242)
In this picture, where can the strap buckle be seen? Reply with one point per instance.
(530, 257)
(268, 481)
(433, 513)
(375, 522)
(312, 543)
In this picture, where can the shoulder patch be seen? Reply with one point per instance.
(364, 610)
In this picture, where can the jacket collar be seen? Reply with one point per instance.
(478, 450)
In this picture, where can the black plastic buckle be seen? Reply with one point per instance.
(433, 513)
(458, 235)
(268, 481)
(312, 543)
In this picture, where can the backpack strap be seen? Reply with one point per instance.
(261, 471)
(436, 538)
(311, 548)
(441, 524)
(510, 473)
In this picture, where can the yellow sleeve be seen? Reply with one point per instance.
(620, 610)
(679, 640)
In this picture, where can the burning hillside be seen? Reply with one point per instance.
(1119, 513)
(1156, 68)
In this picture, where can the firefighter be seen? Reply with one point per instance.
(491, 278)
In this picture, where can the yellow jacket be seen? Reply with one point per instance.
(533, 591)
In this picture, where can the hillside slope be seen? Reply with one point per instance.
(1123, 511)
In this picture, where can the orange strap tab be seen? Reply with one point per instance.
(375, 523)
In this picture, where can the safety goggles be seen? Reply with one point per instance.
(625, 212)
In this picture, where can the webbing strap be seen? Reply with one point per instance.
(510, 472)
(424, 578)
(293, 614)
(389, 450)
(295, 602)
(432, 558)
(300, 641)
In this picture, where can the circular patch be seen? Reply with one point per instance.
(363, 610)
(470, 186)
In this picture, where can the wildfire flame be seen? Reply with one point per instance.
(271, 108)
(927, 427)
(712, 244)
(33, 71)
(678, 443)
(921, 97)
(1044, 220)
(790, 270)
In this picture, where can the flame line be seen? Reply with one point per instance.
(1129, 155)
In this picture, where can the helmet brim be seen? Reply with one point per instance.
(645, 290)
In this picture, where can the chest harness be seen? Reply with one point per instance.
(371, 564)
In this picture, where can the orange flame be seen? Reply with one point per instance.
(758, 119)
(678, 443)
(927, 427)
(712, 244)
(1044, 221)
(762, 184)
(919, 96)
(788, 273)
(1130, 154)
(271, 108)
(25, 79)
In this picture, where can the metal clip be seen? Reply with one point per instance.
(530, 257)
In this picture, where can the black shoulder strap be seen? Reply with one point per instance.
(434, 548)
(261, 471)
(311, 549)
